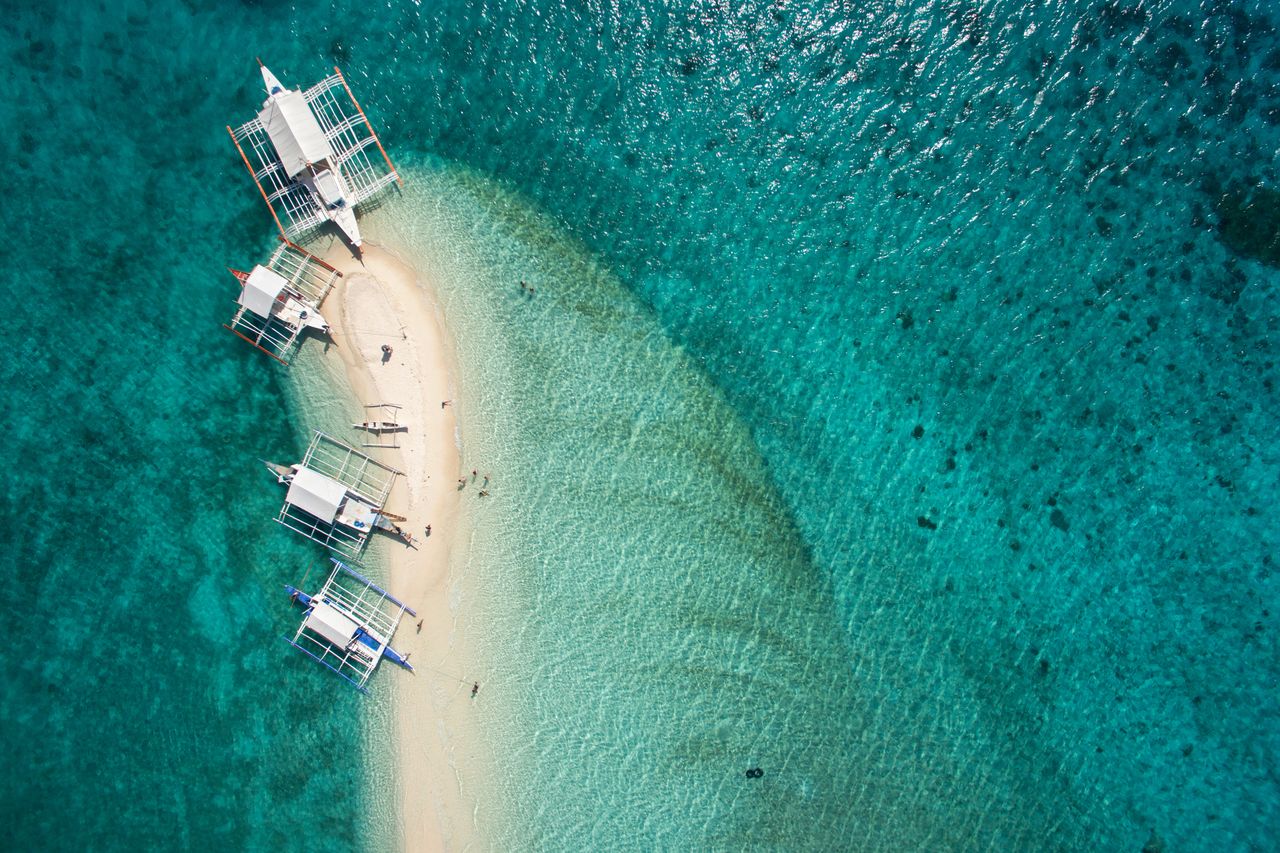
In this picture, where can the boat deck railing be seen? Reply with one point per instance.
(351, 139)
(306, 273)
(272, 335)
(297, 212)
(363, 475)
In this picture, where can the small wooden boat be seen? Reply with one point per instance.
(379, 427)
(382, 424)
(361, 634)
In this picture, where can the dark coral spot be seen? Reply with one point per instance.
(1059, 520)
(1249, 223)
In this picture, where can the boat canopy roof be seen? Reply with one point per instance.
(294, 131)
(316, 494)
(261, 290)
(331, 623)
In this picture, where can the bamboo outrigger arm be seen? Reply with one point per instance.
(372, 133)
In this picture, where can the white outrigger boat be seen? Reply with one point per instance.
(312, 161)
(349, 624)
(265, 292)
(380, 427)
(382, 433)
(280, 300)
(337, 496)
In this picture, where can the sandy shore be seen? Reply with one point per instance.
(380, 300)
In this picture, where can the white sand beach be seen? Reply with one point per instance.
(441, 762)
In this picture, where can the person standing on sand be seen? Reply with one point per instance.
(420, 626)
(475, 688)
(428, 529)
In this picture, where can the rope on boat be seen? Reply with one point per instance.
(303, 583)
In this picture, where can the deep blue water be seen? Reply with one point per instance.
(970, 279)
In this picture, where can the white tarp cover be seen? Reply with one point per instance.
(294, 131)
(261, 290)
(332, 624)
(316, 494)
(359, 515)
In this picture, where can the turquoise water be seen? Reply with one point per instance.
(895, 414)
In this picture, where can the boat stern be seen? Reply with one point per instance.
(345, 219)
(397, 658)
(313, 320)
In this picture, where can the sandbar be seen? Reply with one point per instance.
(382, 300)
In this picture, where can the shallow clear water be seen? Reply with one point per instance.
(892, 415)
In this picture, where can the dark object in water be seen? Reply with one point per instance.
(1059, 520)
(1249, 223)
(755, 773)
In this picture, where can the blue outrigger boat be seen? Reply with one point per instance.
(348, 625)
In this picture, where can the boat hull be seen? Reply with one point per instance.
(380, 426)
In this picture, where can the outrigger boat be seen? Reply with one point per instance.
(380, 426)
(280, 300)
(349, 624)
(266, 294)
(336, 496)
(312, 163)
(382, 432)
(351, 509)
